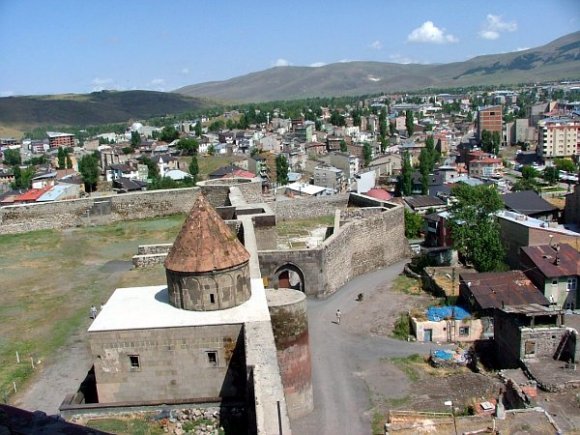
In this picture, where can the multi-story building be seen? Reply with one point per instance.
(57, 140)
(558, 137)
(491, 119)
(329, 177)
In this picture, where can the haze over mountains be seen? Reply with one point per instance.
(558, 60)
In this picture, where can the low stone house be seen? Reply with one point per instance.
(446, 325)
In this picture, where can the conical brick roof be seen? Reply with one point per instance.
(205, 243)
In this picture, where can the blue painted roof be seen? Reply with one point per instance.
(436, 314)
(54, 193)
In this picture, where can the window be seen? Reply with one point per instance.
(530, 348)
(554, 282)
(571, 285)
(463, 331)
(212, 358)
(134, 362)
(212, 298)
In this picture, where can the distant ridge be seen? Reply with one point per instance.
(95, 108)
(558, 60)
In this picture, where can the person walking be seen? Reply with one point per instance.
(93, 312)
(338, 315)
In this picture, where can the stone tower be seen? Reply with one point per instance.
(207, 268)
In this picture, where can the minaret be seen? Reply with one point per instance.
(208, 267)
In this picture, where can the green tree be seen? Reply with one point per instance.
(198, 129)
(22, 178)
(392, 128)
(551, 175)
(194, 169)
(474, 229)
(89, 169)
(135, 139)
(495, 141)
(61, 157)
(383, 128)
(565, 165)
(281, 170)
(424, 165)
(152, 167)
(528, 180)
(343, 147)
(211, 150)
(367, 153)
(336, 118)
(69, 163)
(12, 157)
(216, 125)
(188, 146)
(413, 224)
(410, 122)
(406, 175)
(168, 134)
(486, 144)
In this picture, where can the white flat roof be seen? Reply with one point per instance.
(149, 308)
(532, 222)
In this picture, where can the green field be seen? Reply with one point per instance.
(49, 280)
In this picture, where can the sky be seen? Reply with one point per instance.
(82, 46)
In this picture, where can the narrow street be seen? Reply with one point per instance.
(341, 397)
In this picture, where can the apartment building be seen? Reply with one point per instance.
(558, 137)
(491, 119)
(57, 140)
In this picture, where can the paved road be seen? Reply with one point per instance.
(341, 398)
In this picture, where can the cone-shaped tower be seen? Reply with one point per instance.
(207, 268)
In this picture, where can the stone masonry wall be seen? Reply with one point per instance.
(309, 207)
(82, 212)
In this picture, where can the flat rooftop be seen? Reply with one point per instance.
(149, 308)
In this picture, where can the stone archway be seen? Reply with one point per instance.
(289, 276)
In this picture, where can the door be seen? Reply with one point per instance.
(428, 336)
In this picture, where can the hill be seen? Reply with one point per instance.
(95, 108)
(558, 60)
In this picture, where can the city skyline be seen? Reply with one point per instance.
(68, 46)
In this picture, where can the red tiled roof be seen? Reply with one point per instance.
(240, 173)
(205, 243)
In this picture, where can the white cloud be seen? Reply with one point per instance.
(522, 48)
(281, 62)
(397, 58)
(430, 33)
(317, 64)
(6, 93)
(99, 84)
(185, 70)
(376, 45)
(494, 26)
(156, 85)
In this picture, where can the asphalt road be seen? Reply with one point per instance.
(341, 397)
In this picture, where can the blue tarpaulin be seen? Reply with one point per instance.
(436, 314)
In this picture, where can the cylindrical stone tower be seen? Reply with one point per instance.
(207, 268)
(290, 325)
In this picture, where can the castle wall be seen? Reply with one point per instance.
(95, 210)
(289, 316)
(309, 208)
(174, 363)
(366, 242)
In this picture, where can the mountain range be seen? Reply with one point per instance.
(557, 60)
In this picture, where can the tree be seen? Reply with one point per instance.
(410, 122)
(383, 128)
(474, 229)
(211, 150)
(367, 153)
(12, 157)
(486, 144)
(216, 125)
(135, 139)
(406, 175)
(153, 169)
(424, 165)
(61, 156)
(89, 169)
(392, 128)
(565, 165)
(69, 163)
(336, 118)
(528, 180)
(22, 178)
(198, 129)
(281, 170)
(413, 224)
(188, 146)
(168, 134)
(495, 141)
(551, 175)
(194, 169)
(343, 147)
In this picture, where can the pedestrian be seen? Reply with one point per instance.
(93, 312)
(338, 314)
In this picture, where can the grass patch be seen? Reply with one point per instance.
(402, 327)
(378, 422)
(50, 278)
(302, 226)
(407, 285)
(132, 426)
(409, 365)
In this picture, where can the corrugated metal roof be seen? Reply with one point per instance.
(544, 257)
(495, 289)
(205, 243)
(56, 192)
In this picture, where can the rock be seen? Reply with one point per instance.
(178, 431)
